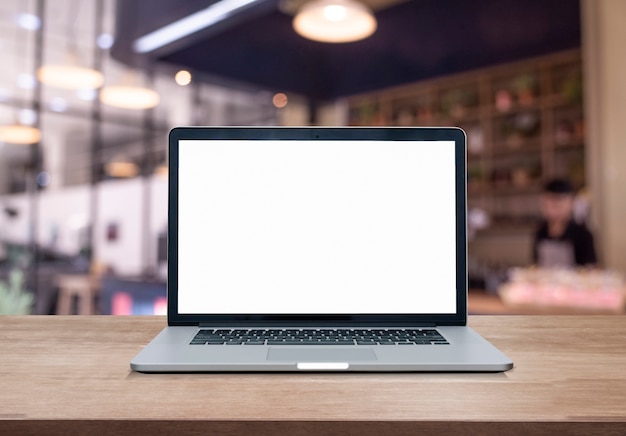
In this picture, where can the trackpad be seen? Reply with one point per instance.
(316, 354)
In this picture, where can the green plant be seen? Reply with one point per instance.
(13, 299)
(572, 88)
(525, 83)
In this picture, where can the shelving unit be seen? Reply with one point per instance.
(524, 123)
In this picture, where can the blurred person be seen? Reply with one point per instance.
(560, 241)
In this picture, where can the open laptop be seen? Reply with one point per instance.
(317, 249)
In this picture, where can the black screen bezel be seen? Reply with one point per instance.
(322, 134)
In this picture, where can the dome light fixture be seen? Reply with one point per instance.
(71, 72)
(122, 169)
(129, 97)
(70, 75)
(183, 77)
(19, 134)
(335, 21)
(280, 100)
(128, 93)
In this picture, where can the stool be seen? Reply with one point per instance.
(79, 285)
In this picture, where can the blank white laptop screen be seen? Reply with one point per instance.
(316, 227)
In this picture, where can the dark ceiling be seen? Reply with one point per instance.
(415, 40)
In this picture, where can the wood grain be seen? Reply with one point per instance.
(70, 375)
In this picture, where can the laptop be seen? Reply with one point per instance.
(317, 249)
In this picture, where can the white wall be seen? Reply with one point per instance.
(119, 204)
(65, 211)
(15, 229)
(62, 216)
(158, 215)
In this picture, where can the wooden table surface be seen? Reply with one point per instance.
(70, 375)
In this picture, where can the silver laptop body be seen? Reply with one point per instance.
(317, 249)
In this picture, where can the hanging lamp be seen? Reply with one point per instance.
(335, 21)
(121, 168)
(70, 74)
(129, 95)
(18, 133)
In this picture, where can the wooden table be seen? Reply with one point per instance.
(70, 375)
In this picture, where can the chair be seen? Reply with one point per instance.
(83, 286)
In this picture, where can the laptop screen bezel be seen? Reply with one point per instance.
(320, 134)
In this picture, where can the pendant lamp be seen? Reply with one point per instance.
(335, 21)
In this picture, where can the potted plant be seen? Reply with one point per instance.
(13, 299)
(525, 87)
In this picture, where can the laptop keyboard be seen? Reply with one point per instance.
(318, 337)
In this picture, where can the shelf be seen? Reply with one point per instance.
(473, 118)
(558, 101)
(514, 109)
(477, 191)
(569, 145)
(533, 188)
(510, 222)
(526, 148)
(524, 123)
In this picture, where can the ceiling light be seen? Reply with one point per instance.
(105, 41)
(334, 21)
(122, 169)
(69, 77)
(183, 77)
(280, 100)
(129, 97)
(19, 134)
(70, 74)
(128, 93)
(335, 12)
(190, 24)
(28, 21)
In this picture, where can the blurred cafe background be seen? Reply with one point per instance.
(90, 88)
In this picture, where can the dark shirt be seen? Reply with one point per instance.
(578, 235)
